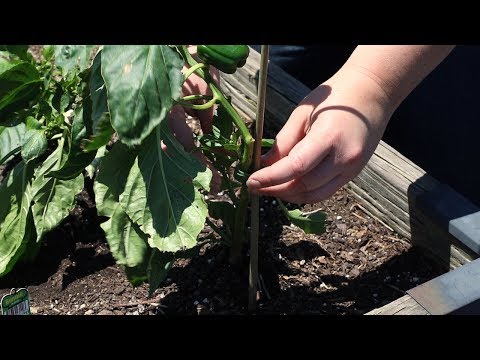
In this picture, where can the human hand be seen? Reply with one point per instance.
(326, 141)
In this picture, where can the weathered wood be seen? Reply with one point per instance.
(388, 185)
(406, 305)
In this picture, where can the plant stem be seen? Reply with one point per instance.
(196, 97)
(14, 151)
(197, 106)
(239, 226)
(255, 205)
(215, 228)
(222, 100)
(193, 68)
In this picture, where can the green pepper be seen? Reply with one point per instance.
(226, 58)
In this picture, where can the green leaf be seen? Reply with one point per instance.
(311, 223)
(77, 160)
(53, 199)
(20, 50)
(15, 216)
(142, 82)
(32, 123)
(224, 211)
(127, 242)
(48, 52)
(222, 124)
(159, 266)
(92, 168)
(11, 138)
(112, 177)
(137, 275)
(34, 144)
(162, 193)
(268, 143)
(19, 83)
(69, 57)
(102, 127)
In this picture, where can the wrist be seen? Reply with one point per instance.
(358, 90)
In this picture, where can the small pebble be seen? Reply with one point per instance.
(89, 312)
(302, 262)
(339, 217)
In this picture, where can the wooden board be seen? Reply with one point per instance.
(386, 188)
(405, 305)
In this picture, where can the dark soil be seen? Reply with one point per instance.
(357, 265)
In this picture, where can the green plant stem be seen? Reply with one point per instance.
(14, 151)
(215, 228)
(239, 226)
(196, 97)
(283, 207)
(255, 204)
(193, 68)
(197, 106)
(222, 100)
(231, 192)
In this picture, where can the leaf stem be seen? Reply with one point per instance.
(215, 228)
(198, 106)
(196, 97)
(222, 100)
(192, 69)
(14, 151)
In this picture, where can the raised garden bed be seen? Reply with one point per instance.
(363, 262)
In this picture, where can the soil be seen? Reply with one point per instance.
(357, 265)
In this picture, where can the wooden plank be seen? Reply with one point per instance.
(406, 305)
(386, 188)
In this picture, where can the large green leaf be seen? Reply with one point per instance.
(52, 198)
(77, 160)
(142, 82)
(20, 50)
(15, 216)
(158, 268)
(68, 57)
(19, 83)
(10, 141)
(101, 127)
(162, 193)
(112, 177)
(127, 242)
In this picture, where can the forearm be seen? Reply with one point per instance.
(396, 69)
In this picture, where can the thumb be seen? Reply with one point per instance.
(292, 132)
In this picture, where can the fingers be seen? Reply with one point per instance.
(303, 157)
(322, 174)
(179, 128)
(319, 194)
(291, 133)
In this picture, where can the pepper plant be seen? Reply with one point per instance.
(100, 112)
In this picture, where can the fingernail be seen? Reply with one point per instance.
(253, 184)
